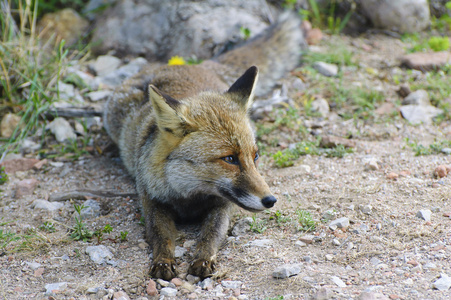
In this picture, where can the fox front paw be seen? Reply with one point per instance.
(202, 268)
(164, 269)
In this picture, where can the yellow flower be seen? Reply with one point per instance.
(306, 148)
(176, 60)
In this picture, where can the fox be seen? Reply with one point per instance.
(184, 134)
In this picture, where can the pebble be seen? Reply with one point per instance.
(366, 209)
(66, 91)
(38, 272)
(179, 251)
(424, 214)
(99, 254)
(99, 95)
(446, 151)
(19, 164)
(322, 294)
(320, 106)
(105, 64)
(419, 97)
(300, 244)
(206, 284)
(121, 295)
(242, 226)
(426, 61)
(169, 292)
(443, 283)
(162, 282)
(192, 279)
(231, 284)
(62, 130)
(91, 210)
(188, 286)
(392, 175)
(371, 165)
(26, 187)
(8, 125)
(33, 265)
(260, 243)
(340, 223)
(338, 281)
(336, 242)
(430, 266)
(372, 296)
(55, 287)
(417, 114)
(152, 288)
(46, 205)
(176, 281)
(326, 69)
(307, 239)
(287, 270)
(441, 171)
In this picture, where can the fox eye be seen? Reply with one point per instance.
(231, 159)
(256, 156)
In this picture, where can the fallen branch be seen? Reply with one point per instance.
(74, 112)
(85, 194)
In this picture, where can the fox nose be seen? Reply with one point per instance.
(269, 201)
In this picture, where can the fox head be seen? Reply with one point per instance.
(208, 146)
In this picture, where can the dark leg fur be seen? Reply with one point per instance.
(214, 230)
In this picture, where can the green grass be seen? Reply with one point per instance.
(258, 225)
(434, 148)
(279, 217)
(79, 231)
(3, 175)
(305, 220)
(30, 70)
(29, 240)
(339, 56)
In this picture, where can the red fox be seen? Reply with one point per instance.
(190, 146)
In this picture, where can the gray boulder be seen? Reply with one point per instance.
(401, 15)
(161, 29)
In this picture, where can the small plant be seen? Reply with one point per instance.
(438, 43)
(284, 159)
(79, 231)
(99, 233)
(279, 218)
(338, 151)
(305, 220)
(434, 148)
(123, 236)
(258, 225)
(245, 32)
(47, 227)
(3, 175)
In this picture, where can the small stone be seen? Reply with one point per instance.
(366, 209)
(340, 223)
(99, 95)
(372, 165)
(417, 114)
(430, 266)
(260, 243)
(169, 292)
(443, 283)
(19, 164)
(392, 176)
(26, 187)
(320, 106)
(152, 288)
(314, 36)
(179, 251)
(40, 164)
(307, 239)
(372, 296)
(177, 281)
(46, 205)
(162, 282)
(121, 295)
(446, 151)
(404, 90)
(9, 124)
(33, 265)
(426, 61)
(375, 261)
(336, 242)
(287, 270)
(206, 284)
(192, 279)
(99, 254)
(91, 210)
(300, 243)
(419, 97)
(105, 64)
(329, 257)
(38, 272)
(242, 226)
(231, 284)
(57, 287)
(322, 294)
(326, 69)
(188, 286)
(307, 259)
(441, 171)
(424, 214)
(338, 281)
(62, 130)
(330, 141)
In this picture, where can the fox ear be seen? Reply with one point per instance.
(167, 112)
(244, 87)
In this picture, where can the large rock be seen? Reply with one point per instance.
(401, 15)
(65, 24)
(161, 29)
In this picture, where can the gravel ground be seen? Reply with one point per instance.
(384, 247)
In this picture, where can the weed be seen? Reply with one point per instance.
(434, 148)
(275, 298)
(338, 151)
(13, 242)
(123, 235)
(305, 220)
(258, 225)
(245, 32)
(47, 227)
(3, 175)
(142, 221)
(279, 218)
(438, 43)
(79, 231)
(99, 233)
(340, 56)
(284, 159)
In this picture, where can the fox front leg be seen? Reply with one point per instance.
(161, 233)
(213, 232)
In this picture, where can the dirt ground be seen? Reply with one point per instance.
(386, 251)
